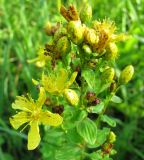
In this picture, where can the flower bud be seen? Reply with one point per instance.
(63, 45)
(86, 13)
(86, 49)
(90, 36)
(111, 52)
(71, 97)
(108, 75)
(48, 28)
(75, 31)
(126, 74)
(60, 33)
(111, 137)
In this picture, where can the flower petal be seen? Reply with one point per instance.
(19, 119)
(61, 80)
(72, 79)
(33, 135)
(48, 118)
(23, 103)
(49, 83)
(42, 97)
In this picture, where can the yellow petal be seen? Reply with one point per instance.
(61, 80)
(49, 83)
(72, 79)
(42, 97)
(19, 119)
(48, 118)
(23, 103)
(33, 135)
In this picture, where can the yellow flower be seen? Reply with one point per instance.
(41, 59)
(32, 114)
(56, 82)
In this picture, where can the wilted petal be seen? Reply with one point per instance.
(19, 119)
(33, 135)
(48, 118)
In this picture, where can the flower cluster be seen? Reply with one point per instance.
(72, 76)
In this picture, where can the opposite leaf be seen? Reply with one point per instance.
(88, 130)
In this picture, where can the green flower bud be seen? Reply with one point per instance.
(87, 49)
(63, 45)
(111, 52)
(111, 137)
(60, 33)
(86, 13)
(71, 97)
(108, 75)
(126, 74)
(75, 31)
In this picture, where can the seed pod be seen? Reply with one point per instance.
(107, 147)
(86, 13)
(63, 45)
(75, 32)
(90, 36)
(58, 109)
(71, 97)
(113, 86)
(87, 49)
(90, 96)
(108, 75)
(126, 74)
(60, 33)
(111, 137)
(111, 52)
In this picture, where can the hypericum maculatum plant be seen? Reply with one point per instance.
(78, 80)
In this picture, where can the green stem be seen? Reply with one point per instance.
(106, 105)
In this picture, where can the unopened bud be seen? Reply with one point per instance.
(48, 28)
(111, 137)
(71, 97)
(87, 49)
(75, 31)
(86, 13)
(91, 37)
(108, 75)
(111, 52)
(63, 45)
(60, 33)
(126, 74)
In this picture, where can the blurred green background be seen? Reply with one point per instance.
(21, 34)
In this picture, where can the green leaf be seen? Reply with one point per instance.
(96, 109)
(91, 79)
(88, 130)
(68, 153)
(116, 99)
(101, 137)
(108, 120)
